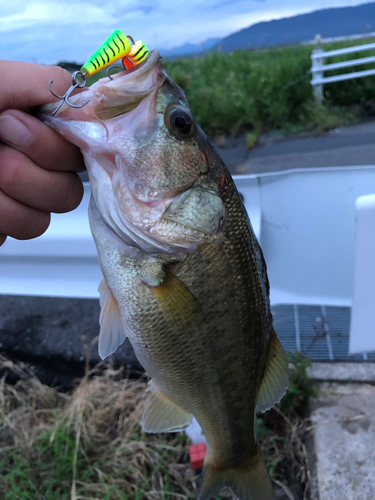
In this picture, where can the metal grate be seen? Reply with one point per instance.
(319, 332)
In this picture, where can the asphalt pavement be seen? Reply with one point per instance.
(341, 147)
(55, 336)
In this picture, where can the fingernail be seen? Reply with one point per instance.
(14, 132)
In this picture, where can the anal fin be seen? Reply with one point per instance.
(275, 380)
(162, 414)
(112, 332)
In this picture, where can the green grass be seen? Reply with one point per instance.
(263, 90)
(89, 444)
(268, 89)
(45, 467)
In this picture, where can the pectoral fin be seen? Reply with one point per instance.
(162, 414)
(112, 332)
(276, 378)
(178, 304)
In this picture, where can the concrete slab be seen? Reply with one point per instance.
(343, 420)
(342, 372)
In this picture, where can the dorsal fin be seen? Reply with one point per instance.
(275, 380)
(112, 332)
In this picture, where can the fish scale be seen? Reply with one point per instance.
(184, 379)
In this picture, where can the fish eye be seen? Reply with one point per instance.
(181, 122)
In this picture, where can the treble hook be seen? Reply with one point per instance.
(64, 98)
(123, 67)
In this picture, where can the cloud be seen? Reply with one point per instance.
(49, 30)
(14, 7)
(39, 14)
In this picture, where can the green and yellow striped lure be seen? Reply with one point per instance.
(116, 47)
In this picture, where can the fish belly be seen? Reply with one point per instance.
(211, 370)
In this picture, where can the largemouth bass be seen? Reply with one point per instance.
(184, 276)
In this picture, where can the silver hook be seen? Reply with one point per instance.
(113, 67)
(64, 98)
(123, 67)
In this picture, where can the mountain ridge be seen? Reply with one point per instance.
(188, 49)
(331, 22)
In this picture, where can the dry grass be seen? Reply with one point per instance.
(284, 449)
(88, 444)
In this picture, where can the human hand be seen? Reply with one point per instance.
(38, 167)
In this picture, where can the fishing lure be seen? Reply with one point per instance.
(138, 53)
(117, 47)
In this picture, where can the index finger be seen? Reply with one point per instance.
(24, 85)
(41, 144)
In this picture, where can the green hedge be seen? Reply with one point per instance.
(266, 89)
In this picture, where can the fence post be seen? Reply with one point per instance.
(317, 75)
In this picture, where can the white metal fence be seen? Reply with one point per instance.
(319, 68)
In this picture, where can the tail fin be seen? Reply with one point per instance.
(251, 482)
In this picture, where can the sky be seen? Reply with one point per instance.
(47, 31)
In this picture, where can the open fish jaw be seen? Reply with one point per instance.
(137, 167)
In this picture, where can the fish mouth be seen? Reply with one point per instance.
(139, 71)
(111, 97)
(122, 94)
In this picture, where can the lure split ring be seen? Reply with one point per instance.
(76, 84)
(123, 66)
